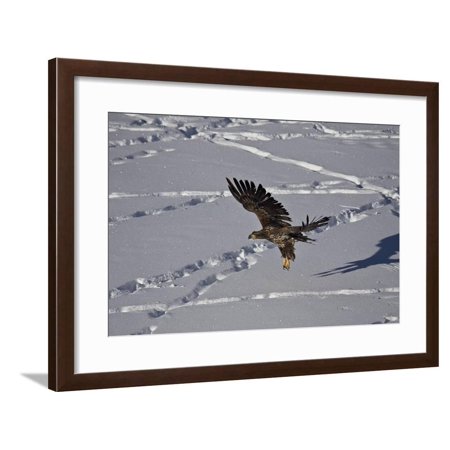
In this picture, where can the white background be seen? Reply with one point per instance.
(367, 410)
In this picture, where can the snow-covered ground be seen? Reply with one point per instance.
(179, 257)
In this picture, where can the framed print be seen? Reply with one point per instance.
(215, 224)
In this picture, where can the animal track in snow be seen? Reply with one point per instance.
(355, 214)
(237, 257)
(324, 131)
(346, 216)
(139, 155)
(241, 260)
(156, 212)
(167, 279)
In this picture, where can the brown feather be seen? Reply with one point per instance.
(257, 200)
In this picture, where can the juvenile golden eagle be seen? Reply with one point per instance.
(275, 220)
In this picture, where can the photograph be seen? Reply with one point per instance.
(202, 231)
(234, 223)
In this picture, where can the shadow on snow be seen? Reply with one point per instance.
(387, 248)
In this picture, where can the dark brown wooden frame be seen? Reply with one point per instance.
(62, 73)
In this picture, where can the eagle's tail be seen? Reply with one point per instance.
(297, 232)
(299, 236)
(311, 225)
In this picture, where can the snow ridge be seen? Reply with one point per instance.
(359, 182)
(315, 188)
(263, 296)
(279, 295)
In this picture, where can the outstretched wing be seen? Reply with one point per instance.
(313, 224)
(259, 201)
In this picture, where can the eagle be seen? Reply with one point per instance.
(274, 218)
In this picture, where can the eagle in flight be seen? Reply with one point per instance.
(275, 220)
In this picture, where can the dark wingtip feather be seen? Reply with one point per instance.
(259, 201)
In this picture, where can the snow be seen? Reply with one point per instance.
(179, 255)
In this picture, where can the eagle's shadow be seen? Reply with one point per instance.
(387, 248)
